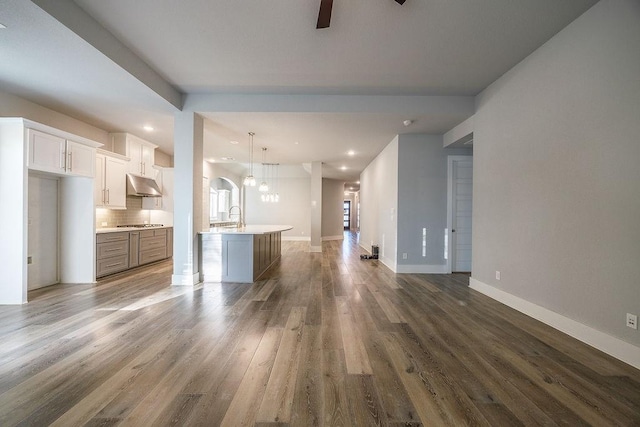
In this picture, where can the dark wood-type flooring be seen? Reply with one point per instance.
(324, 339)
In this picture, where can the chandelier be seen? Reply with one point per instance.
(250, 180)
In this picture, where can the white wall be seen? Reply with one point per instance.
(14, 106)
(557, 174)
(332, 209)
(293, 209)
(379, 204)
(422, 201)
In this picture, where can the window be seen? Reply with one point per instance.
(346, 217)
(213, 204)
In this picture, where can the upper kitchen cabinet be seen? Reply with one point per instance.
(141, 153)
(110, 184)
(60, 155)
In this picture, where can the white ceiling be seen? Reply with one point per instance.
(373, 47)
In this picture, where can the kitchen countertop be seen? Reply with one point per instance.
(117, 229)
(248, 229)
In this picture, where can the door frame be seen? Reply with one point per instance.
(448, 233)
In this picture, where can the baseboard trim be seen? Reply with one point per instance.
(606, 343)
(185, 279)
(315, 248)
(422, 269)
(341, 237)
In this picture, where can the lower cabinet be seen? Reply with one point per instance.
(112, 253)
(153, 245)
(120, 251)
(134, 249)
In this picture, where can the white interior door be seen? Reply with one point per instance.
(462, 208)
(42, 232)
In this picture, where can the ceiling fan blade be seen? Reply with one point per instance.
(324, 16)
(400, 1)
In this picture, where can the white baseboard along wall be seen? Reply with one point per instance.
(613, 346)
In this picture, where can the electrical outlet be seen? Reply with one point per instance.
(404, 255)
(104, 223)
(29, 260)
(632, 321)
(497, 275)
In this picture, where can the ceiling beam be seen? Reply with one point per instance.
(69, 14)
(380, 104)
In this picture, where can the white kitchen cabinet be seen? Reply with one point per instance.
(141, 153)
(55, 154)
(110, 184)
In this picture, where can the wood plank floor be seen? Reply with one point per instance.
(324, 339)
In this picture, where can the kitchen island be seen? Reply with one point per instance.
(239, 254)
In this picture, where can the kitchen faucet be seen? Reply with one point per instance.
(240, 219)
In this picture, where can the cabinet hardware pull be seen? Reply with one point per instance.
(70, 161)
(104, 201)
(108, 198)
(112, 249)
(112, 265)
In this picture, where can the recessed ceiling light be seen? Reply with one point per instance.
(234, 142)
(296, 142)
(344, 168)
(148, 128)
(227, 158)
(407, 122)
(351, 152)
(357, 182)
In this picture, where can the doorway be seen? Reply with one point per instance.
(42, 239)
(459, 213)
(346, 216)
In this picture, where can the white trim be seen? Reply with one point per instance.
(341, 237)
(185, 279)
(450, 160)
(315, 248)
(386, 261)
(422, 268)
(611, 345)
(296, 239)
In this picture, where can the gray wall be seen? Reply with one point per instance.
(332, 199)
(557, 174)
(379, 204)
(422, 198)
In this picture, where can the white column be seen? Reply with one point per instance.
(187, 208)
(13, 212)
(316, 207)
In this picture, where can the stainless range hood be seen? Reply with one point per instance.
(143, 187)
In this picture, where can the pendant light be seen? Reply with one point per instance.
(250, 180)
(264, 187)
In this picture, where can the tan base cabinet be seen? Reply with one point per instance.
(120, 251)
(112, 253)
(153, 245)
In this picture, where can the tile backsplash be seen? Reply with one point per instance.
(134, 214)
